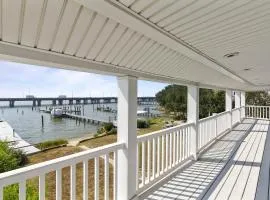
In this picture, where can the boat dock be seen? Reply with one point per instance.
(87, 119)
(8, 134)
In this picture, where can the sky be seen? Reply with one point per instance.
(19, 80)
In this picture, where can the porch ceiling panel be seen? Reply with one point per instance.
(68, 28)
(216, 28)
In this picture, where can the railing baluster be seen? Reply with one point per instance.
(181, 145)
(115, 157)
(148, 160)
(96, 178)
(154, 159)
(177, 147)
(73, 182)
(85, 179)
(158, 156)
(106, 177)
(162, 153)
(188, 141)
(170, 162)
(173, 149)
(167, 153)
(137, 170)
(184, 143)
(42, 187)
(143, 163)
(22, 190)
(58, 188)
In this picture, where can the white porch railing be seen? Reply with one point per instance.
(259, 112)
(160, 152)
(236, 116)
(211, 127)
(20, 176)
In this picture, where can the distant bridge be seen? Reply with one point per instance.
(37, 101)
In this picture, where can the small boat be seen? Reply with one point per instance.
(57, 112)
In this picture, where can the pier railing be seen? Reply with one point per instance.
(101, 154)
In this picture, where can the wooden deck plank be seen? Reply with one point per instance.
(262, 192)
(239, 187)
(239, 180)
(249, 192)
(217, 191)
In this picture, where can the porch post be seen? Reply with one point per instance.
(126, 132)
(243, 104)
(237, 103)
(237, 99)
(228, 101)
(193, 116)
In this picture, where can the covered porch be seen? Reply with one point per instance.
(199, 44)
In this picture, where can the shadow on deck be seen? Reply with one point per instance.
(229, 169)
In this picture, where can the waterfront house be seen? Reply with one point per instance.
(200, 44)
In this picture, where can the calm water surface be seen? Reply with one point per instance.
(27, 123)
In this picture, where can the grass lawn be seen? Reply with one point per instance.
(155, 125)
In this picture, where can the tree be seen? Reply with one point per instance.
(259, 98)
(173, 98)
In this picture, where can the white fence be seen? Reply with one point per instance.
(40, 170)
(259, 112)
(211, 127)
(161, 151)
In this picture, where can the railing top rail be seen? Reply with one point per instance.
(214, 116)
(236, 109)
(31, 171)
(162, 132)
(256, 106)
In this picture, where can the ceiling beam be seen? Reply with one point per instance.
(34, 56)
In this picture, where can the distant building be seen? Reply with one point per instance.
(62, 96)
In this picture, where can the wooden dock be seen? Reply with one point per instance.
(87, 119)
(8, 134)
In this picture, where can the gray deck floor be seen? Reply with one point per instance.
(235, 167)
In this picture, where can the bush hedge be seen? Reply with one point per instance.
(143, 123)
(10, 158)
(51, 144)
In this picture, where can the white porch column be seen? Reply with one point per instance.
(237, 103)
(228, 101)
(237, 99)
(126, 132)
(193, 116)
(243, 104)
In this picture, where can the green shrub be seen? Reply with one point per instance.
(179, 117)
(11, 192)
(143, 123)
(51, 144)
(108, 126)
(113, 131)
(10, 158)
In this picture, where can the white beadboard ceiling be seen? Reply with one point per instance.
(181, 41)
